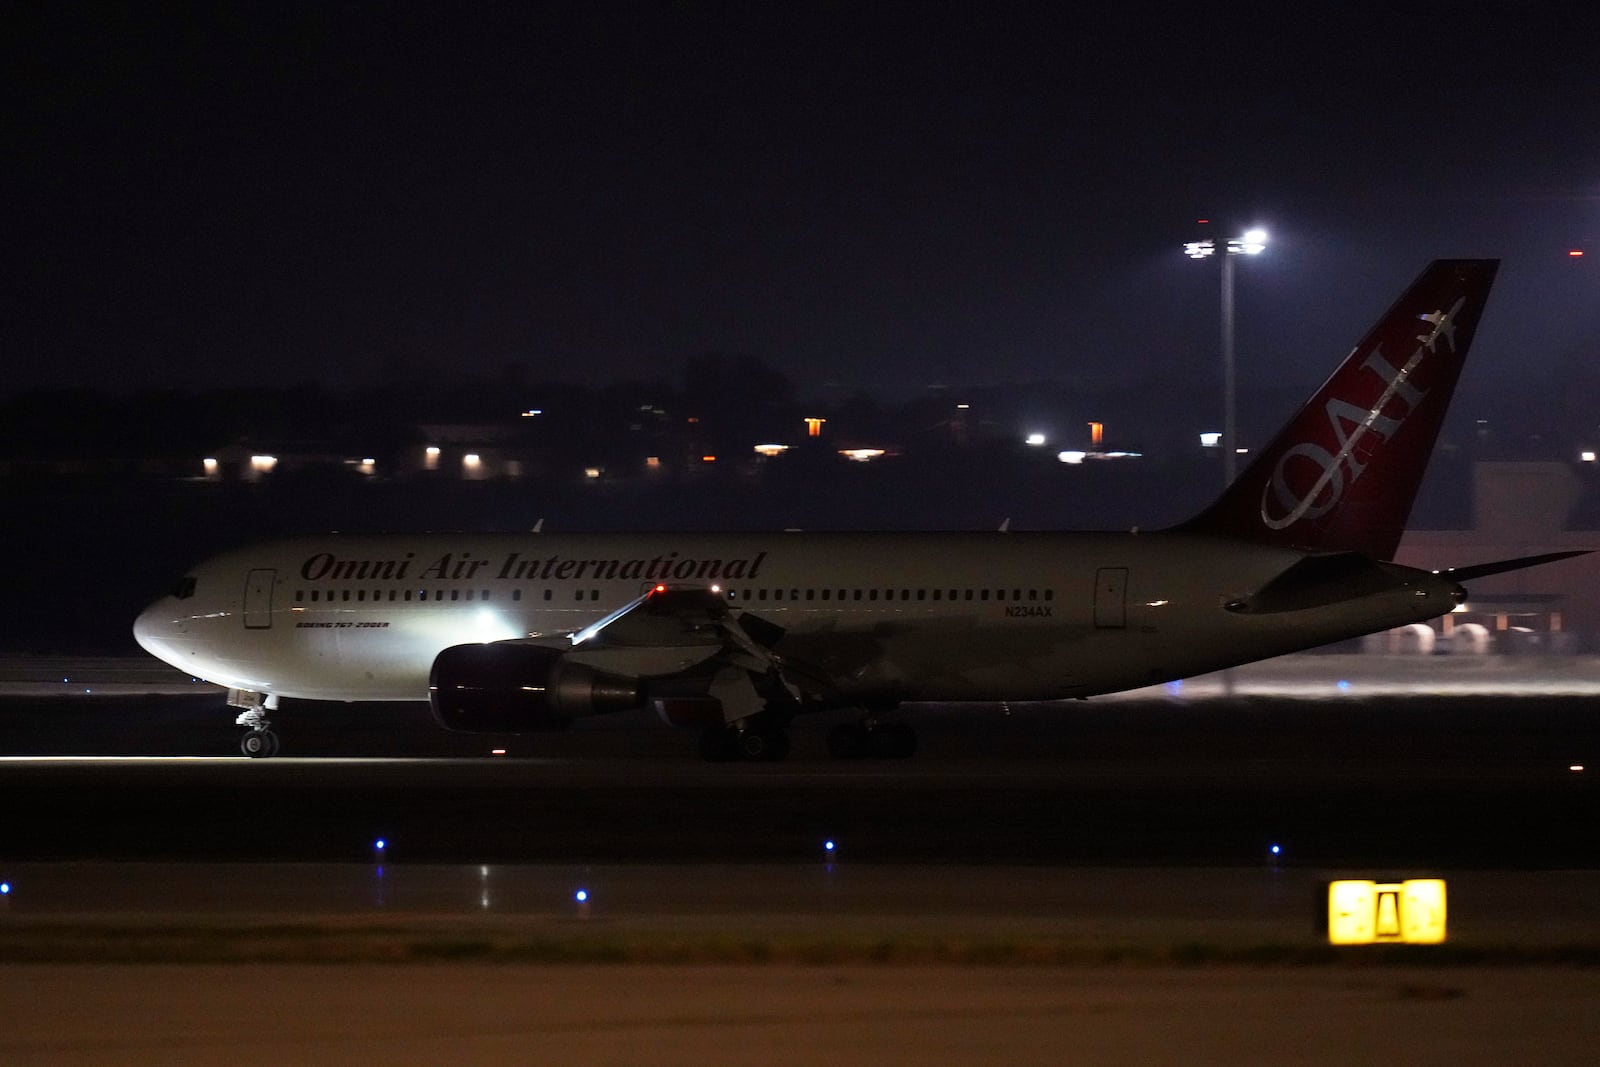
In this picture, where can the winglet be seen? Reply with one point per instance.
(1342, 475)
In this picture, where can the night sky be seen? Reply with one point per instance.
(880, 196)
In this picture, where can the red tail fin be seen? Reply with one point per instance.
(1341, 476)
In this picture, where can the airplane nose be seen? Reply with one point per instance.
(144, 630)
(153, 630)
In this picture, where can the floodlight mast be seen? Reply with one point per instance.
(1250, 243)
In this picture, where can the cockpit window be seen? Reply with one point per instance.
(183, 588)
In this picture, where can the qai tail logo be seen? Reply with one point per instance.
(1282, 505)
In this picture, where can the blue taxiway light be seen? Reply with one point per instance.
(5, 889)
(582, 896)
(379, 844)
(828, 845)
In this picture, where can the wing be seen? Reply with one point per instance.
(684, 649)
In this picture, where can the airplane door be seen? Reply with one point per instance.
(258, 599)
(1111, 598)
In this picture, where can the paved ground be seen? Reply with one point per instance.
(794, 1015)
(1141, 826)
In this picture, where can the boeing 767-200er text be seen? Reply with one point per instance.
(741, 633)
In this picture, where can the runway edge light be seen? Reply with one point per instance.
(1362, 912)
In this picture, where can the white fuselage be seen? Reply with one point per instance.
(942, 616)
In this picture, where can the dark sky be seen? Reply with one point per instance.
(876, 195)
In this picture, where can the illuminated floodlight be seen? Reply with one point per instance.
(471, 460)
(1576, 768)
(1073, 456)
(263, 463)
(1250, 243)
(531, 412)
(210, 466)
(591, 473)
(432, 450)
(861, 455)
(770, 450)
(1198, 249)
(1210, 439)
(1035, 439)
(1587, 457)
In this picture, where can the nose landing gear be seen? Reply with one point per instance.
(260, 742)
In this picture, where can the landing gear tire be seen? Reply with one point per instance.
(717, 745)
(893, 740)
(762, 744)
(754, 744)
(848, 740)
(259, 744)
(885, 740)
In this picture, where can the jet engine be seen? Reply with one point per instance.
(507, 687)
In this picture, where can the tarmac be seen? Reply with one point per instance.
(1136, 880)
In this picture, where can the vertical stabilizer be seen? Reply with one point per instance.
(1342, 475)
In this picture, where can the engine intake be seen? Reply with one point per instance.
(514, 688)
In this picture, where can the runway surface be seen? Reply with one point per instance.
(1041, 884)
(1459, 782)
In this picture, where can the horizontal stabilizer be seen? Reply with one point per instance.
(1317, 581)
(1483, 570)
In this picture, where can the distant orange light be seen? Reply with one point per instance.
(1576, 253)
(660, 589)
(708, 459)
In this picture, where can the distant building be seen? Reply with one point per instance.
(1519, 509)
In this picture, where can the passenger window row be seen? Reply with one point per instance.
(901, 595)
(359, 596)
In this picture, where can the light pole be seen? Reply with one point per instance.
(1249, 243)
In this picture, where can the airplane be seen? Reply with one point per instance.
(740, 633)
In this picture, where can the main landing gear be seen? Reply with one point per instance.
(884, 740)
(753, 742)
(767, 742)
(260, 742)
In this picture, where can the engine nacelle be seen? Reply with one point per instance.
(513, 688)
